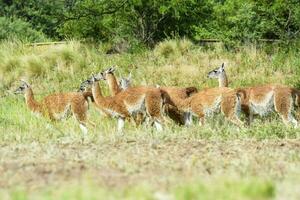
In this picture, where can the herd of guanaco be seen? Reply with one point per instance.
(151, 104)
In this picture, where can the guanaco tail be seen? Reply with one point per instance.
(58, 106)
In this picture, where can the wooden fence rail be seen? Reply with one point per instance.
(201, 41)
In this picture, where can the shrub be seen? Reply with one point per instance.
(173, 47)
(11, 28)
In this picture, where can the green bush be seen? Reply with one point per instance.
(11, 28)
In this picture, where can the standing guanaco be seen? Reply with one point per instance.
(173, 92)
(115, 88)
(262, 100)
(58, 106)
(208, 102)
(128, 103)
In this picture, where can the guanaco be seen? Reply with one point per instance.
(220, 74)
(111, 80)
(58, 106)
(208, 102)
(173, 92)
(115, 88)
(262, 100)
(128, 103)
(177, 95)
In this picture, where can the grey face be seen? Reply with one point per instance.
(99, 76)
(125, 83)
(110, 70)
(83, 86)
(216, 72)
(21, 89)
(91, 80)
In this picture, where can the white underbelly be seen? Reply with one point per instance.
(112, 113)
(63, 115)
(264, 107)
(213, 108)
(138, 107)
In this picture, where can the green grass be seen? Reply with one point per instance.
(40, 159)
(225, 189)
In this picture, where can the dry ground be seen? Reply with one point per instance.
(162, 164)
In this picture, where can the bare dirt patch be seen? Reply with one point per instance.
(161, 163)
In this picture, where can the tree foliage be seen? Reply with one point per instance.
(150, 21)
(16, 28)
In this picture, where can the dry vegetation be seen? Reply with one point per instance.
(39, 159)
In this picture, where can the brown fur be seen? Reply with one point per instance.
(176, 95)
(199, 104)
(169, 95)
(88, 95)
(282, 99)
(119, 106)
(112, 84)
(114, 89)
(59, 106)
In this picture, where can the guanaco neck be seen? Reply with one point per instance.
(112, 84)
(223, 81)
(97, 94)
(32, 104)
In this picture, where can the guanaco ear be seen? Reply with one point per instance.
(24, 83)
(99, 76)
(111, 70)
(129, 76)
(223, 66)
(94, 78)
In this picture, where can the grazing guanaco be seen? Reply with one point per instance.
(262, 100)
(58, 106)
(128, 103)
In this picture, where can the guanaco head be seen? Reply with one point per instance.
(91, 80)
(125, 83)
(83, 86)
(108, 71)
(216, 73)
(22, 88)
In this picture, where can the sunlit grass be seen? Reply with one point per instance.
(179, 163)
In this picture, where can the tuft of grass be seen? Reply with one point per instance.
(185, 45)
(34, 66)
(166, 48)
(173, 48)
(10, 65)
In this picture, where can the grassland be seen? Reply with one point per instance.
(44, 160)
